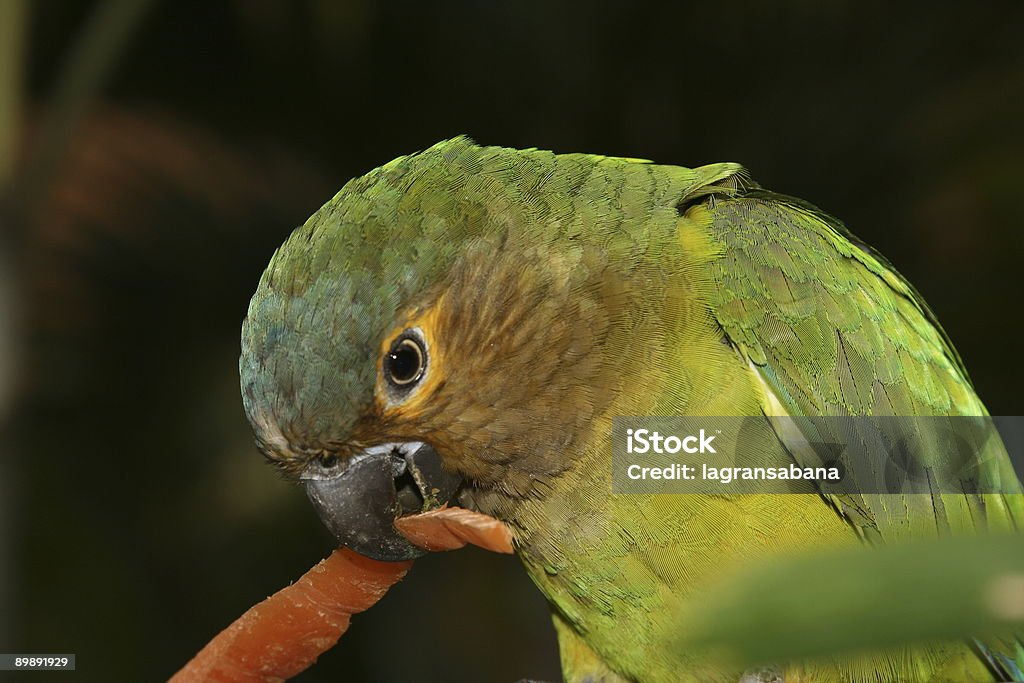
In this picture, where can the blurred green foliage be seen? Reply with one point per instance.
(851, 601)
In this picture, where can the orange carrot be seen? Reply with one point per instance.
(453, 528)
(284, 634)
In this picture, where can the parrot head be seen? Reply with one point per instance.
(433, 328)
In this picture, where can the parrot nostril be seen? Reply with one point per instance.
(328, 461)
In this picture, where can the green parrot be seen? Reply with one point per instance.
(464, 324)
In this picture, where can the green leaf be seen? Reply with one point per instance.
(855, 600)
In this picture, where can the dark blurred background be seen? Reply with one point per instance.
(152, 156)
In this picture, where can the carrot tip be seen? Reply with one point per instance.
(452, 528)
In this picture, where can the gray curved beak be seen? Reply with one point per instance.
(360, 498)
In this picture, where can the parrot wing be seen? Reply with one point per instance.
(829, 327)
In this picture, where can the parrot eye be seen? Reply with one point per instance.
(406, 361)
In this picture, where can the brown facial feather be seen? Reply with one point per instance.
(515, 339)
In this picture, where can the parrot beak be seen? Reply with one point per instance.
(359, 498)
